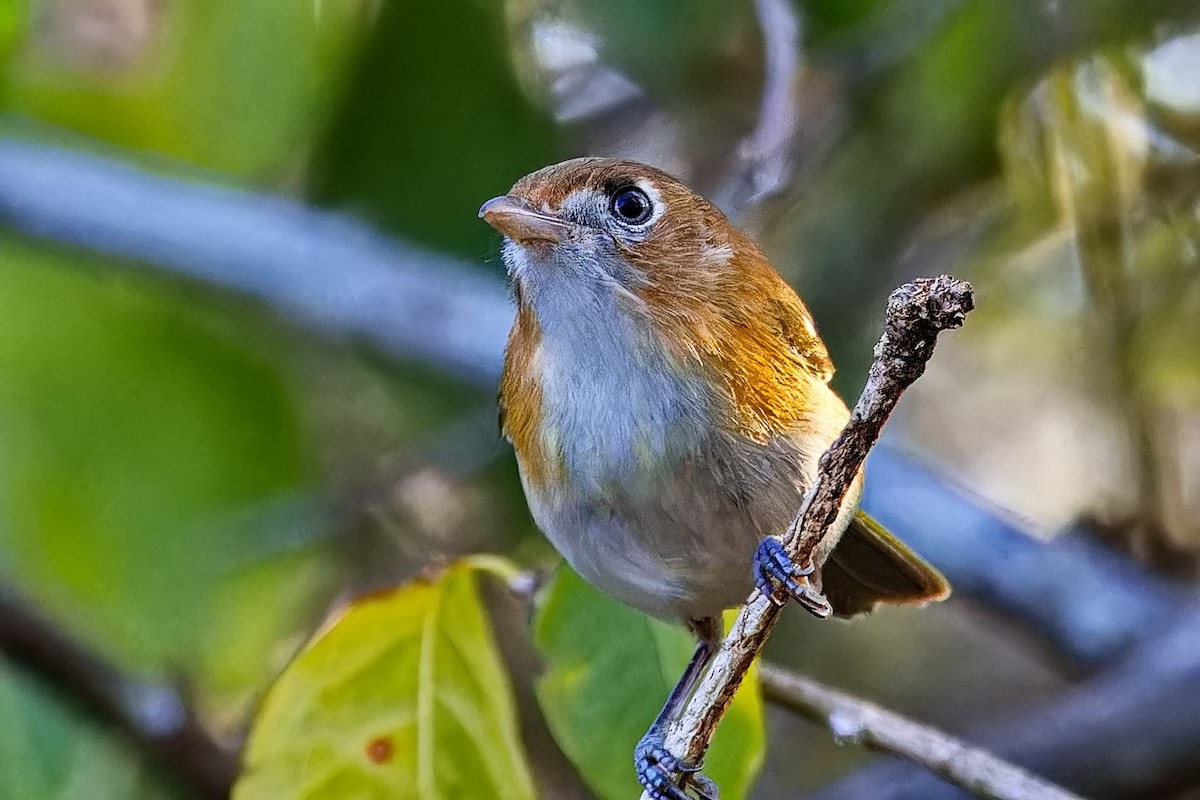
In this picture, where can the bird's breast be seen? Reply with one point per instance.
(590, 397)
(615, 411)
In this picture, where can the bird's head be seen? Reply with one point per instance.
(607, 223)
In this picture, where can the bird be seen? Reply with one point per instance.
(667, 396)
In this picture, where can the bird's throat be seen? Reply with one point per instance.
(590, 393)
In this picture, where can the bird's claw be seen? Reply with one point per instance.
(659, 772)
(773, 568)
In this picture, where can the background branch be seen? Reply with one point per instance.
(762, 165)
(853, 720)
(1129, 732)
(323, 270)
(1087, 601)
(154, 716)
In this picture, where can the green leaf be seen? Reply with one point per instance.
(402, 696)
(609, 669)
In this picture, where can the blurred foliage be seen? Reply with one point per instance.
(434, 126)
(608, 670)
(665, 44)
(401, 696)
(920, 127)
(1094, 305)
(156, 473)
(231, 86)
(50, 749)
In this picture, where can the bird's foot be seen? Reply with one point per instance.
(774, 568)
(660, 772)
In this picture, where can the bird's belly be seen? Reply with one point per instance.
(678, 548)
(652, 559)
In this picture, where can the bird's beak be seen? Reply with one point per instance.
(521, 222)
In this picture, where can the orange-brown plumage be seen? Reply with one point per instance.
(751, 333)
(521, 396)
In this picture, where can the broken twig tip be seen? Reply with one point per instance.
(942, 302)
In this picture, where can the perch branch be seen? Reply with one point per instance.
(154, 716)
(854, 720)
(917, 312)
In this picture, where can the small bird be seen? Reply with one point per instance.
(667, 395)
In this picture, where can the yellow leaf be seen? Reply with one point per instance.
(402, 696)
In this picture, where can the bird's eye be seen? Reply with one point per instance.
(631, 205)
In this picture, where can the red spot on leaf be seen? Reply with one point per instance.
(380, 750)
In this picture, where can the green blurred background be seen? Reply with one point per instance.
(189, 480)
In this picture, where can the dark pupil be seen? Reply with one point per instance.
(631, 205)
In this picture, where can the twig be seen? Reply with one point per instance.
(1130, 731)
(154, 716)
(852, 720)
(917, 312)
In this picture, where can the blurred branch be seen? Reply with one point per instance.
(341, 278)
(322, 269)
(1088, 601)
(916, 313)
(1131, 731)
(851, 719)
(763, 163)
(154, 716)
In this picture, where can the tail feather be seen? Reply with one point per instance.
(870, 566)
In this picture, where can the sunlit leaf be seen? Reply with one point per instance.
(609, 669)
(402, 696)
